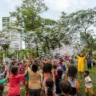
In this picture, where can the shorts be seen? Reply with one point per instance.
(34, 92)
(89, 90)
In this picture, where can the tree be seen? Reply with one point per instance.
(83, 22)
(33, 40)
(89, 41)
(62, 32)
(41, 38)
(28, 14)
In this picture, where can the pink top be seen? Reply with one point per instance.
(14, 85)
(46, 76)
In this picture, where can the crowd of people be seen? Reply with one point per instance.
(46, 77)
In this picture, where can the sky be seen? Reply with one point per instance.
(55, 7)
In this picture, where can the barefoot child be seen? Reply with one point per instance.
(88, 84)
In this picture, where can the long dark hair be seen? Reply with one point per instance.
(72, 71)
(47, 68)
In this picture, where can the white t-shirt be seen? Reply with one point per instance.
(72, 82)
(87, 80)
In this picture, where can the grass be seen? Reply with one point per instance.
(81, 81)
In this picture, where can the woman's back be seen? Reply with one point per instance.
(34, 79)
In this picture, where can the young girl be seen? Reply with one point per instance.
(49, 87)
(72, 72)
(14, 82)
(65, 88)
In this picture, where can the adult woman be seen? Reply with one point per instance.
(34, 81)
(81, 62)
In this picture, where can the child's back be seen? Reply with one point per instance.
(14, 83)
(14, 87)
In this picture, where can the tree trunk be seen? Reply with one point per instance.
(91, 50)
(46, 39)
(24, 57)
(4, 57)
(17, 56)
(37, 49)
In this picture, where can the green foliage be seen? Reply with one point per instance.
(83, 22)
(28, 14)
(44, 35)
(90, 42)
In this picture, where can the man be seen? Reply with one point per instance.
(81, 62)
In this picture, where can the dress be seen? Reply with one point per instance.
(81, 61)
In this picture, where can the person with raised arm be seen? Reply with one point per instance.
(81, 62)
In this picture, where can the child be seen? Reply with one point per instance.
(65, 88)
(88, 84)
(49, 87)
(72, 72)
(58, 77)
(14, 82)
